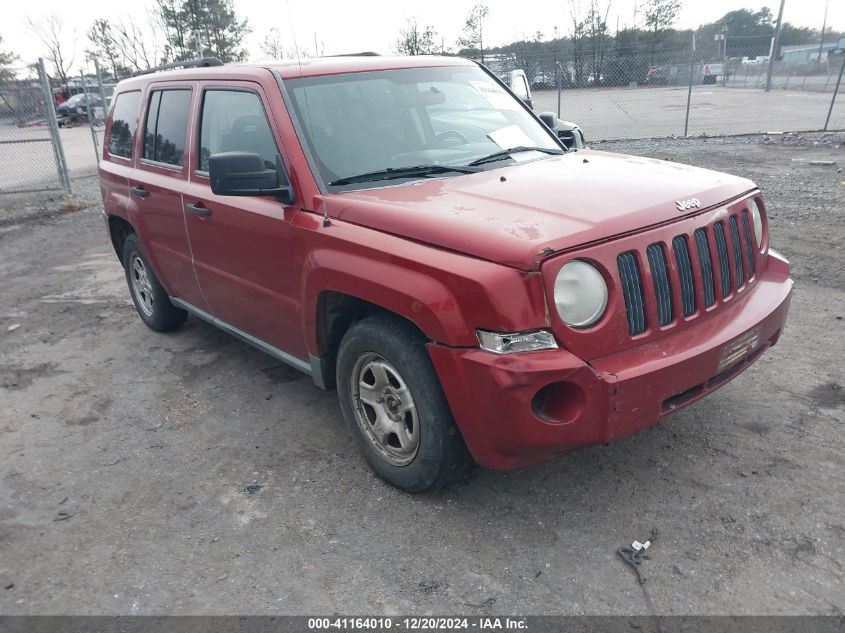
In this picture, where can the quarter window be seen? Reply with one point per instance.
(123, 124)
(235, 121)
(164, 130)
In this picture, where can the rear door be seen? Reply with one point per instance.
(117, 164)
(156, 187)
(242, 245)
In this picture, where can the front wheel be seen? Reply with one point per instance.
(394, 406)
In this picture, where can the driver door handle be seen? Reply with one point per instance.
(139, 191)
(198, 210)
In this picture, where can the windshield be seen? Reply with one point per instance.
(357, 123)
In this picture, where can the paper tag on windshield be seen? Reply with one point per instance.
(495, 95)
(512, 136)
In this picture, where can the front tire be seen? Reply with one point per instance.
(394, 406)
(150, 298)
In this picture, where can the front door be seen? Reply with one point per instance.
(242, 245)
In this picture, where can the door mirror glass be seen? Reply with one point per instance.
(245, 174)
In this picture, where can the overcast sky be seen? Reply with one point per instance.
(351, 26)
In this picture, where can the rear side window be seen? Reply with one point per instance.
(165, 126)
(235, 121)
(123, 124)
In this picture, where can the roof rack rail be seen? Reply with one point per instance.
(202, 62)
(361, 54)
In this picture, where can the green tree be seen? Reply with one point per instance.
(104, 46)
(7, 59)
(472, 37)
(414, 40)
(219, 30)
(660, 15)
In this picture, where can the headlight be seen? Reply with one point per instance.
(516, 342)
(580, 294)
(757, 217)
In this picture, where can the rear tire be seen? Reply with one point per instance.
(394, 406)
(150, 298)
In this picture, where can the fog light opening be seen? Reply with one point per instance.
(559, 402)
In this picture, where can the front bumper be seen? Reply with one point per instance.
(515, 410)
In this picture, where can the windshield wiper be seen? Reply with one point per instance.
(392, 173)
(505, 153)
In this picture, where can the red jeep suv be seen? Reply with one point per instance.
(407, 231)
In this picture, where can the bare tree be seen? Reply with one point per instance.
(272, 44)
(103, 46)
(660, 15)
(579, 28)
(127, 45)
(473, 33)
(51, 32)
(414, 40)
(596, 29)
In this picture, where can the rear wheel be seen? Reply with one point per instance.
(395, 408)
(148, 295)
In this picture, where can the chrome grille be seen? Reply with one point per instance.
(662, 289)
(632, 291)
(681, 280)
(749, 243)
(740, 278)
(679, 245)
(702, 246)
(722, 249)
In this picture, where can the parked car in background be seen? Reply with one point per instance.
(77, 108)
(407, 231)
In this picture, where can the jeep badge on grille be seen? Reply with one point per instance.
(685, 205)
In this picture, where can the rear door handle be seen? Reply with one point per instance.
(139, 191)
(198, 210)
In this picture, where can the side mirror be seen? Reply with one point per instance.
(244, 174)
(549, 118)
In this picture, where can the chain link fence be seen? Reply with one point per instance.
(682, 92)
(31, 152)
(665, 93)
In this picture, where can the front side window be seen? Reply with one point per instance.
(165, 126)
(123, 124)
(446, 116)
(235, 121)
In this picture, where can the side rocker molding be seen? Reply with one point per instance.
(297, 363)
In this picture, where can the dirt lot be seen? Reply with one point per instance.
(188, 473)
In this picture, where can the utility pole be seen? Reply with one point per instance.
(198, 44)
(775, 41)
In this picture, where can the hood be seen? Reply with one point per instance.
(513, 214)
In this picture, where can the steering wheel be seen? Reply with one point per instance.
(453, 134)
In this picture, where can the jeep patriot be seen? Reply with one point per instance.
(408, 232)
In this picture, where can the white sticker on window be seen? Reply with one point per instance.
(495, 95)
(510, 137)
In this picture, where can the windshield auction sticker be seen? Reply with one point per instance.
(494, 95)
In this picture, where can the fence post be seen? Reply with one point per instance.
(558, 73)
(835, 91)
(50, 115)
(102, 89)
(90, 117)
(689, 87)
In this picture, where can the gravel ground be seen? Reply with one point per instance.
(188, 473)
